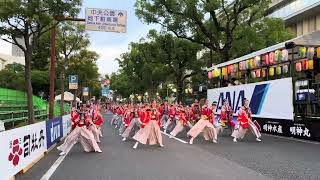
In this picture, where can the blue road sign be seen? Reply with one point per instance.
(73, 78)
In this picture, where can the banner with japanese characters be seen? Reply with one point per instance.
(302, 129)
(20, 147)
(106, 20)
(268, 99)
(54, 131)
(66, 125)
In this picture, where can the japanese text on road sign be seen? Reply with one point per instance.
(106, 20)
(85, 91)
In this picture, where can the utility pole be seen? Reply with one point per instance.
(53, 60)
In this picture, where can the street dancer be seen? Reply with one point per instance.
(80, 133)
(245, 123)
(226, 117)
(182, 122)
(205, 124)
(150, 130)
(97, 120)
(135, 123)
(164, 110)
(172, 115)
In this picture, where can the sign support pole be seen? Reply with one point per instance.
(52, 61)
(52, 70)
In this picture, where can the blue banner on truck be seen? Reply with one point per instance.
(54, 131)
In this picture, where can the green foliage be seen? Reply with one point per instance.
(40, 81)
(229, 28)
(29, 20)
(152, 62)
(12, 77)
(84, 65)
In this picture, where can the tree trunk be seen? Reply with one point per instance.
(225, 56)
(28, 57)
(180, 91)
(179, 87)
(75, 98)
(62, 90)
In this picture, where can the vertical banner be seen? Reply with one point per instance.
(66, 125)
(21, 146)
(268, 99)
(54, 131)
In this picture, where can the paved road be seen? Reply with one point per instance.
(274, 158)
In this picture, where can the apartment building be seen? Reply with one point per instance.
(302, 16)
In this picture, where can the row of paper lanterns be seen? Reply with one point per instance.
(276, 70)
(272, 58)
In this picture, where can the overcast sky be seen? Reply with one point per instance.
(110, 45)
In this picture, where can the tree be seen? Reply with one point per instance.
(11, 77)
(29, 20)
(71, 39)
(41, 54)
(154, 61)
(219, 25)
(84, 65)
(179, 55)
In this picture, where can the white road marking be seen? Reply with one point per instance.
(185, 142)
(293, 139)
(55, 165)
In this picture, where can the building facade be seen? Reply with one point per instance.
(10, 54)
(301, 16)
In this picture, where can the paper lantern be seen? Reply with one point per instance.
(278, 56)
(271, 71)
(318, 52)
(263, 72)
(235, 67)
(258, 73)
(230, 69)
(285, 55)
(285, 69)
(302, 52)
(310, 64)
(310, 53)
(224, 71)
(210, 74)
(298, 67)
(253, 74)
(248, 64)
(252, 65)
(266, 59)
(216, 72)
(278, 70)
(271, 58)
(241, 66)
(305, 65)
(257, 61)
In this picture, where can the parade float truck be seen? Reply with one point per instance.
(282, 83)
